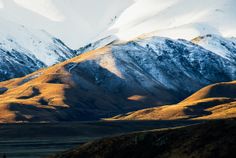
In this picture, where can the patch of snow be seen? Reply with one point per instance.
(224, 47)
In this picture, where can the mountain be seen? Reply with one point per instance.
(216, 101)
(24, 50)
(119, 78)
(207, 140)
(225, 47)
(185, 19)
(25, 45)
(69, 20)
(76, 25)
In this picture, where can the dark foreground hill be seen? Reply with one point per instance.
(214, 139)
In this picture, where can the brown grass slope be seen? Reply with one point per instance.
(214, 139)
(86, 87)
(216, 101)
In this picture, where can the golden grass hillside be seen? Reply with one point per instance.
(87, 87)
(45, 95)
(216, 101)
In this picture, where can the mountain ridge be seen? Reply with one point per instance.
(112, 80)
(24, 50)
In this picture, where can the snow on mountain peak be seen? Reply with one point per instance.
(90, 19)
(34, 42)
(75, 22)
(224, 47)
(177, 18)
(24, 50)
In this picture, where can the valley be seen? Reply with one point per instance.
(117, 79)
(37, 140)
(206, 140)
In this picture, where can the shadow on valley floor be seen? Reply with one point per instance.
(36, 140)
(212, 139)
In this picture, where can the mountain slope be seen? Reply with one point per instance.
(225, 47)
(69, 20)
(185, 19)
(212, 102)
(207, 140)
(24, 50)
(125, 19)
(113, 80)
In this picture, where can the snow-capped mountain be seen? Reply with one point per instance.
(185, 19)
(170, 62)
(75, 22)
(76, 25)
(225, 47)
(116, 79)
(22, 34)
(24, 50)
